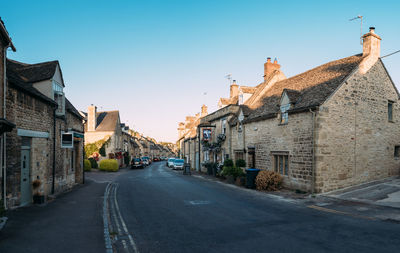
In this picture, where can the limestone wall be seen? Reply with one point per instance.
(295, 138)
(355, 140)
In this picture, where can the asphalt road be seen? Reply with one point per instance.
(166, 211)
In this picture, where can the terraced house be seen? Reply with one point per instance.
(333, 126)
(44, 151)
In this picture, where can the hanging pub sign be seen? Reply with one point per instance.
(206, 134)
(67, 140)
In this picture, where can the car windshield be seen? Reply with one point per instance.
(171, 159)
(179, 161)
(137, 160)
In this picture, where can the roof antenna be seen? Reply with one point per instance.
(229, 77)
(361, 19)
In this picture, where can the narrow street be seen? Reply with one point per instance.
(165, 211)
(156, 209)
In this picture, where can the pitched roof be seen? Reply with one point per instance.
(107, 121)
(70, 107)
(5, 36)
(311, 88)
(292, 94)
(33, 73)
(17, 82)
(247, 89)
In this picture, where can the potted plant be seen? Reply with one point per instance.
(38, 197)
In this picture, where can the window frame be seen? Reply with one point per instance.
(281, 163)
(390, 110)
(396, 152)
(284, 114)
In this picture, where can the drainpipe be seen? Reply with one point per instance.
(199, 162)
(54, 151)
(313, 151)
(3, 140)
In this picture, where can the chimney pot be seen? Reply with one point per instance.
(372, 29)
(269, 59)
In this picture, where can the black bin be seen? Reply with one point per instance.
(251, 175)
(186, 169)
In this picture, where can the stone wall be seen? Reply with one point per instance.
(295, 138)
(30, 114)
(355, 140)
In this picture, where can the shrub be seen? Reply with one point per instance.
(268, 180)
(93, 163)
(102, 151)
(127, 159)
(232, 171)
(108, 165)
(240, 163)
(86, 165)
(228, 163)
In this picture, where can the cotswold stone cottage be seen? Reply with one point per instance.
(104, 126)
(47, 144)
(331, 127)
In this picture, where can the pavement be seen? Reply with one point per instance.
(70, 223)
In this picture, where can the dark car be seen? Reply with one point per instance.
(156, 159)
(136, 163)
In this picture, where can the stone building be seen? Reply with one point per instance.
(47, 144)
(331, 127)
(105, 127)
(188, 143)
(5, 124)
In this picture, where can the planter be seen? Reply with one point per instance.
(38, 199)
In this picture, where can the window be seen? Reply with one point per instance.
(281, 164)
(224, 126)
(59, 98)
(206, 157)
(72, 159)
(397, 151)
(241, 99)
(390, 111)
(284, 113)
(239, 155)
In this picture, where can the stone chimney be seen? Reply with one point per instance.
(270, 67)
(91, 118)
(234, 89)
(371, 50)
(203, 111)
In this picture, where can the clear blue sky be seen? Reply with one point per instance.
(154, 60)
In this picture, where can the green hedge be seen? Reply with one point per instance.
(232, 171)
(108, 165)
(86, 165)
(240, 163)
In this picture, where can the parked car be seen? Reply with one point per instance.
(170, 162)
(178, 164)
(145, 160)
(136, 163)
(156, 159)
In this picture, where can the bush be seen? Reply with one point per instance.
(268, 180)
(127, 159)
(232, 171)
(86, 165)
(240, 163)
(108, 165)
(93, 163)
(228, 163)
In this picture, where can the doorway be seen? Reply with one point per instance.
(26, 195)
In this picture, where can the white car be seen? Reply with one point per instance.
(170, 162)
(178, 164)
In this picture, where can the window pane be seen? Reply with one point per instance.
(276, 163)
(390, 111)
(286, 165)
(281, 164)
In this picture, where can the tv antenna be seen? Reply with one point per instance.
(361, 19)
(229, 77)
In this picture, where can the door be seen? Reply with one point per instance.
(26, 196)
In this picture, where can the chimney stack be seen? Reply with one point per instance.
(234, 89)
(203, 111)
(92, 110)
(371, 50)
(270, 67)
